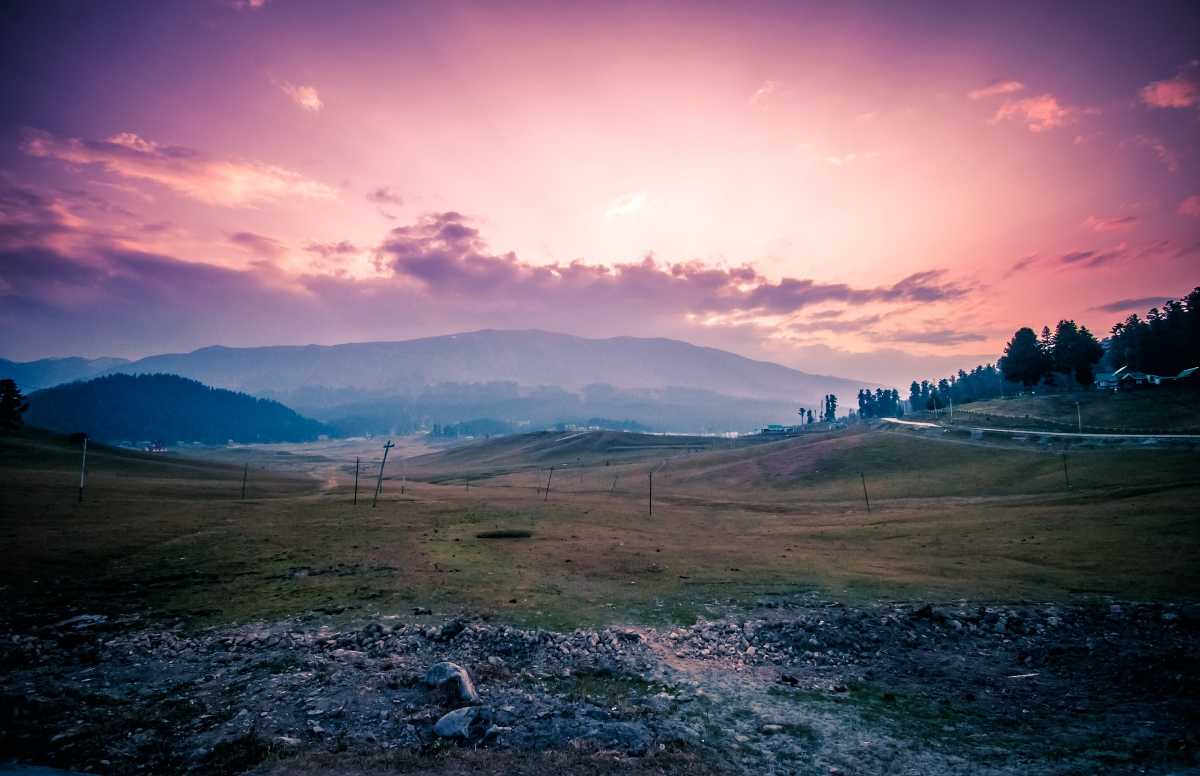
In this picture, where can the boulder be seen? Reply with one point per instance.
(469, 723)
(449, 630)
(451, 684)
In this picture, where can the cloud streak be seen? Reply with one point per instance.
(1110, 224)
(1140, 303)
(626, 205)
(995, 89)
(257, 244)
(189, 172)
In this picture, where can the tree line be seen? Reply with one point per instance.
(1165, 342)
(1069, 353)
(883, 403)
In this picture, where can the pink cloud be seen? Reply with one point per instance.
(1181, 91)
(996, 88)
(1038, 113)
(1190, 206)
(189, 172)
(304, 96)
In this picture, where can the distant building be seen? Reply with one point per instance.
(776, 429)
(1109, 381)
(1129, 380)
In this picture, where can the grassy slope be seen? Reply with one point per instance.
(1151, 410)
(950, 519)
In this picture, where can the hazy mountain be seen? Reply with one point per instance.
(315, 375)
(167, 408)
(526, 378)
(32, 375)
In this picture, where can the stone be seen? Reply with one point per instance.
(449, 630)
(466, 724)
(451, 684)
(924, 613)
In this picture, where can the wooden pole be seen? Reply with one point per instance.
(1066, 474)
(650, 500)
(245, 471)
(356, 459)
(863, 477)
(82, 469)
(550, 477)
(379, 483)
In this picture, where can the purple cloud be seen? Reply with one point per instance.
(1140, 303)
(257, 244)
(63, 287)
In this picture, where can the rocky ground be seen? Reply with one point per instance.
(794, 686)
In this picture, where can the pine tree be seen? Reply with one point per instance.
(12, 406)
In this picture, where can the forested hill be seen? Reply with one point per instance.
(165, 408)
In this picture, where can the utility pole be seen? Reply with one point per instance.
(867, 498)
(356, 459)
(82, 468)
(950, 399)
(1066, 475)
(379, 483)
(550, 477)
(245, 471)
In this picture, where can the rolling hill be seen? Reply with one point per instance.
(167, 408)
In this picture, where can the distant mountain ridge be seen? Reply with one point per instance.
(168, 408)
(45, 372)
(523, 378)
(528, 358)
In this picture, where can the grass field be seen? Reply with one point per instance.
(1151, 410)
(732, 523)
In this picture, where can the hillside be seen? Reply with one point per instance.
(1154, 410)
(167, 408)
(45, 372)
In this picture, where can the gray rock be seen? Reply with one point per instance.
(449, 630)
(467, 724)
(451, 684)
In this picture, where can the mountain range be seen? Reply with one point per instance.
(46, 372)
(525, 376)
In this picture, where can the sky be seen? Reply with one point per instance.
(874, 190)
